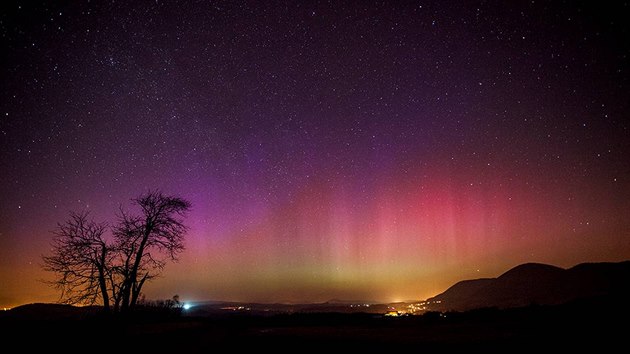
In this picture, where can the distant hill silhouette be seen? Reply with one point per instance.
(349, 302)
(535, 283)
(43, 311)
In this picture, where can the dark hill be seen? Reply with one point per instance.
(535, 283)
(49, 311)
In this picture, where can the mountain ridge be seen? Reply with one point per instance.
(535, 283)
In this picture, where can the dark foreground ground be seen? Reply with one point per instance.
(599, 325)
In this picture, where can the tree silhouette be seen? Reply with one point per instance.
(147, 241)
(90, 269)
(82, 260)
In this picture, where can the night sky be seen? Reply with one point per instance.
(351, 150)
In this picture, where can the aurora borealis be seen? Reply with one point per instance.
(351, 150)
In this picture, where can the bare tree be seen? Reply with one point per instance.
(145, 242)
(82, 260)
(90, 270)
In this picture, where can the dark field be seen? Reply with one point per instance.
(598, 325)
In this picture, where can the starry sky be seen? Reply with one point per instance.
(352, 150)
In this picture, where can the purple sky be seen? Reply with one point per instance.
(378, 150)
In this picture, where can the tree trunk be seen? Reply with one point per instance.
(136, 292)
(132, 279)
(101, 279)
(124, 306)
(104, 293)
(117, 298)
